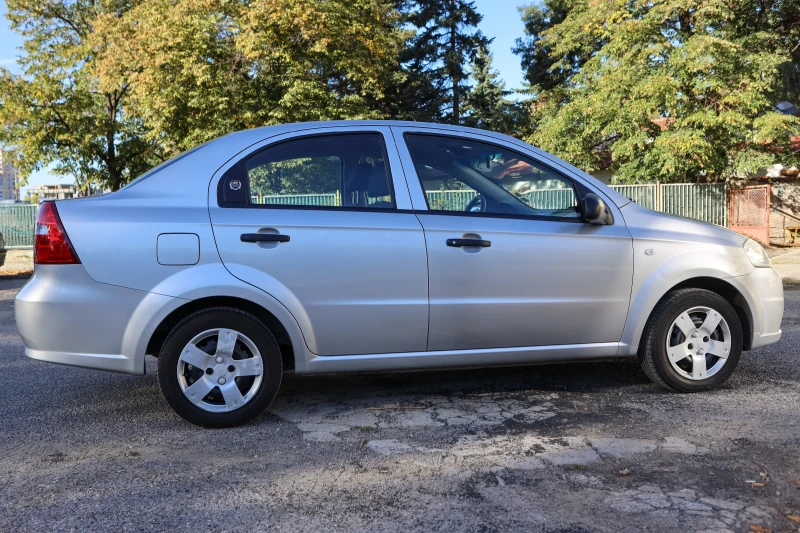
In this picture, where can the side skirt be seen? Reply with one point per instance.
(461, 358)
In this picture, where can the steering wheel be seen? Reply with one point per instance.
(476, 205)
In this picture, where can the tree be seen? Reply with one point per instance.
(110, 88)
(486, 105)
(199, 69)
(680, 90)
(535, 53)
(446, 41)
(55, 112)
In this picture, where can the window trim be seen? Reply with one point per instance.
(239, 167)
(581, 219)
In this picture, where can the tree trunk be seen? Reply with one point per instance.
(114, 174)
(454, 75)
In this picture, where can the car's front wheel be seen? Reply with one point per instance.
(219, 367)
(692, 341)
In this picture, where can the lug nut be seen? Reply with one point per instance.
(700, 352)
(221, 381)
(219, 359)
(694, 335)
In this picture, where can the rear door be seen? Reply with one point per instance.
(511, 261)
(322, 221)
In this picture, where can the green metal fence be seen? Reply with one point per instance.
(705, 202)
(644, 195)
(539, 199)
(16, 225)
(319, 200)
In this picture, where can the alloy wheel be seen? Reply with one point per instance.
(220, 370)
(698, 343)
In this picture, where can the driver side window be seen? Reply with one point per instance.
(462, 175)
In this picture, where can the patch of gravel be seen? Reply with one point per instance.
(18, 263)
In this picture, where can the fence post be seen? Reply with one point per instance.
(725, 204)
(659, 197)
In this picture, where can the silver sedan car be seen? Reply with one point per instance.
(375, 246)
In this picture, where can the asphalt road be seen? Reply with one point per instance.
(568, 448)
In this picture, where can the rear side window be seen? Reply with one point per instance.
(327, 171)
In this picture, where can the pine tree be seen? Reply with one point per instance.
(436, 58)
(486, 104)
(536, 53)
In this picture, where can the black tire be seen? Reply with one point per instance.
(653, 350)
(212, 318)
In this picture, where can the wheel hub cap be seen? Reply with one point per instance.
(710, 344)
(220, 370)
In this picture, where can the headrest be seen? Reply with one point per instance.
(378, 182)
(360, 179)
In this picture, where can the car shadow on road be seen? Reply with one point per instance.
(577, 377)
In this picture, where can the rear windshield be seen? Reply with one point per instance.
(165, 164)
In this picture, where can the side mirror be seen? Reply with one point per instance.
(595, 210)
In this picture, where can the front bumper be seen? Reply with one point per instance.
(65, 317)
(763, 290)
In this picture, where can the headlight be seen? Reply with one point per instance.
(756, 254)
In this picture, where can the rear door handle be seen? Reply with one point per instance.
(459, 243)
(264, 237)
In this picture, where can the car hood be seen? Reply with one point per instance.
(646, 224)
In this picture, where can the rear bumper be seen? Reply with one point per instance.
(109, 362)
(65, 317)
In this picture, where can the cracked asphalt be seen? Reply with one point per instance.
(557, 448)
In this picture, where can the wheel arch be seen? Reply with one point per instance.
(719, 286)
(731, 294)
(266, 317)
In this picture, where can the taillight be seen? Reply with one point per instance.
(51, 245)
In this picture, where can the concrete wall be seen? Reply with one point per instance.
(784, 209)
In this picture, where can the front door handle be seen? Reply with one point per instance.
(264, 237)
(459, 243)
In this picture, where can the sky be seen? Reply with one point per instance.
(501, 21)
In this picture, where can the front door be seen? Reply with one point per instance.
(317, 221)
(511, 261)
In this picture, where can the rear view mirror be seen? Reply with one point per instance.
(595, 210)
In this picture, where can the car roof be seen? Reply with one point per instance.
(277, 129)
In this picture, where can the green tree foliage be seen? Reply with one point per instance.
(486, 104)
(781, 18)
(55, 112)
(109, 88)
(536, 53)
(199, 69)
(437, 56)
(486, 97)
(680, 90)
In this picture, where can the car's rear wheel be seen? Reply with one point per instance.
(219, 367)
(692, 341)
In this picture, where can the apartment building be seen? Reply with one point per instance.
(9, 179)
